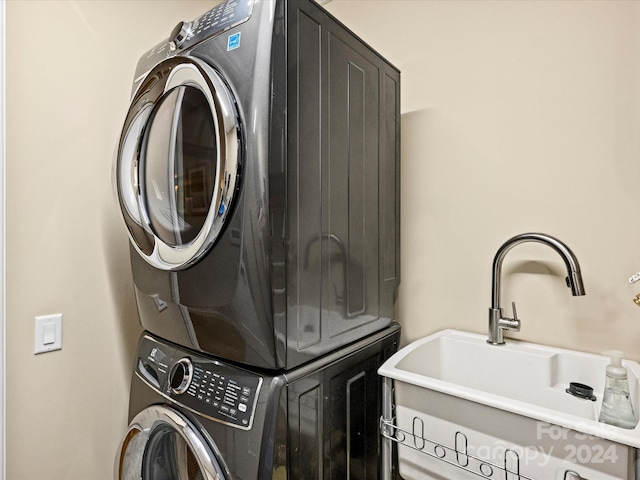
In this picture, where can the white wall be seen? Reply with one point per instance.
(70, 65)
(517, 116)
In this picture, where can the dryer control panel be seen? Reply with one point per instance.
(225, 16)
(203, 385)
(221, 18)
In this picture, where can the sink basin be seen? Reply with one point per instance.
(522, 378)
(455, 382)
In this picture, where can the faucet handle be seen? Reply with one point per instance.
(512, 324)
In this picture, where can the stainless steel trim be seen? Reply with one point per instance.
(386, 460)
(127, 168)
(173, 136)
(187, 368)
(171, 73)
(179, 35)
(130, 458)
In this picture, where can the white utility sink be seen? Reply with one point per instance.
(448, 374)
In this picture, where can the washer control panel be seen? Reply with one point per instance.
(204, 385)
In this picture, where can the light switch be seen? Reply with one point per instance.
(48, 333)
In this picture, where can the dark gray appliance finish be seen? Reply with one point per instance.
(320, 421)
(304, 257)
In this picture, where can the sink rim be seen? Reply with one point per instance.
(391, 370)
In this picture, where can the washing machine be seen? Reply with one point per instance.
(194, 416)
(258, 177)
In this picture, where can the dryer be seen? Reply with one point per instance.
(258, 177)
(196, 417)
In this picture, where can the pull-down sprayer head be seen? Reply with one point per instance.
(574, 276)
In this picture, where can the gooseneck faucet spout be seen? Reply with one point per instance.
(497, 323)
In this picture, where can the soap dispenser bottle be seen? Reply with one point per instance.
(617, 408)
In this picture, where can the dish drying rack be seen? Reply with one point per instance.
(458, 455)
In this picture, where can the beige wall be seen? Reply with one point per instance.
(69, 70)
(517, 116)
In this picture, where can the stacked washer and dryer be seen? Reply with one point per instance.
(258, 177)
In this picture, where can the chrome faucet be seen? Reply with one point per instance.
(498, 323)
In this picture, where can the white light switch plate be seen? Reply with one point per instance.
(48, 336)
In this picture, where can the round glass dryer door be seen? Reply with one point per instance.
(162, 444)
(177, 165)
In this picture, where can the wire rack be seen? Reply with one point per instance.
(458, 455)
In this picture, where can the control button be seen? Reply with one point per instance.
(246, 391)
(181, 375)
(233, 412)
(179, 35)
(242, 407)
(244, 399)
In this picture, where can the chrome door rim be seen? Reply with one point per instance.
(167, 75)
(142, 428)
